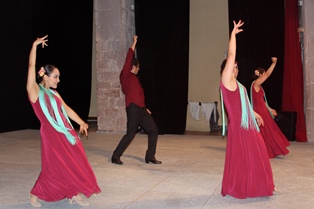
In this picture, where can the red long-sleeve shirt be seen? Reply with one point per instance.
(130, 83)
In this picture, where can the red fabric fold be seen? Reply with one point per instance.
(292, 94)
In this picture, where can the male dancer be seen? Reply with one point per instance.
(137, 113)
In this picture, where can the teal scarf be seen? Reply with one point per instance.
(267, 106)
(58, 122)
(246, 111)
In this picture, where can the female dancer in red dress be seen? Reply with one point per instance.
(65, 170)
(247, 170)
(275, 141)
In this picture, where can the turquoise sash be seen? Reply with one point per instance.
(58, 122)
(246, 111)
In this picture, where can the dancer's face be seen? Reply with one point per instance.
(135, 69)
(53, 79)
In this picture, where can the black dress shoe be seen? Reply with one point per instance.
(154, 161)
(117, 161)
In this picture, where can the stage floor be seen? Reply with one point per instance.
(189, 177)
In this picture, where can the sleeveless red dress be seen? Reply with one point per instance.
(274, 139)
(65, 170)
(247, 169)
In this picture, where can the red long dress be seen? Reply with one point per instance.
(65, 170)
(247, 169)
(274, 139)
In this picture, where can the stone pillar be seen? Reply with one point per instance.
(114, 29)
(308, 65)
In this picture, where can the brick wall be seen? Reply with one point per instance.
(308, 25)
(114, 29)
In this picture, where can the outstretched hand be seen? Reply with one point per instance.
(259, 120)
(41, 41)
(274, 112)
(274, 59)
(236, 27)
(134, 42)
(83, 129)
(135, 38)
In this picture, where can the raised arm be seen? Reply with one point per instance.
(262, 78)
(31, 85)
(227, 76)
(126, 71)
(134, 42)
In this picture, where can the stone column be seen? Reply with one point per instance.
(114, 29)
(308, 65)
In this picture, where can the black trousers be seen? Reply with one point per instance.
(138, 116)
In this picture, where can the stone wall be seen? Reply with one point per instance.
(308, 64)
(114, 29)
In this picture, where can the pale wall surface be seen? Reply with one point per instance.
(209, 36)
(93, 102)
